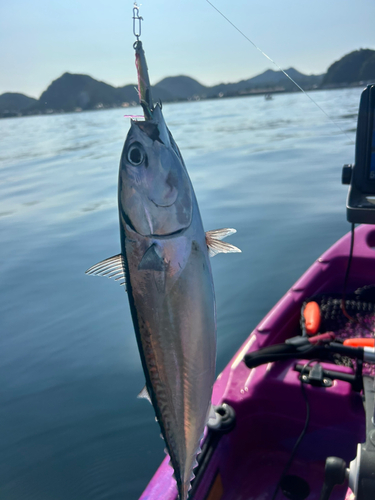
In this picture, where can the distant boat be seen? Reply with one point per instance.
(268, 97)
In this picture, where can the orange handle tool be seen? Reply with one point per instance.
(360, 342)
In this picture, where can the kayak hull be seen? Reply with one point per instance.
(269, 403)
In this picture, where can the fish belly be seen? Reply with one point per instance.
(175, 315)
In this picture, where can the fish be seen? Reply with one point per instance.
(165, 267)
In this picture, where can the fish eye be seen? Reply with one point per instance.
(136, 154)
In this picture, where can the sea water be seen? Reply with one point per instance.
(71, 426)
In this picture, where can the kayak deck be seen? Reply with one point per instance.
(269, 404)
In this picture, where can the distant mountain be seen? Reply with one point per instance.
(160, 94)
(128, 93)
(367, 72)
(270, 79)
(180, 87)
(12, 103)
(354, 67)
(73, 92)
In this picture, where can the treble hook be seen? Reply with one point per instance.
(137, 17)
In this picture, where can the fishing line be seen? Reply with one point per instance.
(279, 67)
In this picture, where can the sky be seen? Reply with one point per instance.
(42, 39)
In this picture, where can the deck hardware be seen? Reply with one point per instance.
(214, 435)
(315, 375)
(329, 375)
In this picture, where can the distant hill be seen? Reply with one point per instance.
(181, 87)
(71, 92)
(270, 79)
(160, 94)
(12, 103)
(354, 67)
(367, 72)
(74, 92)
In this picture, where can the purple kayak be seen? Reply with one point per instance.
(247, 462)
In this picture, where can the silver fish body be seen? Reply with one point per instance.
(164, 262)
(170, 288)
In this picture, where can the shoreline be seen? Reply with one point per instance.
(249, 93)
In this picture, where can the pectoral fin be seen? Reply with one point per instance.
(114, 267)
(215, 245)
